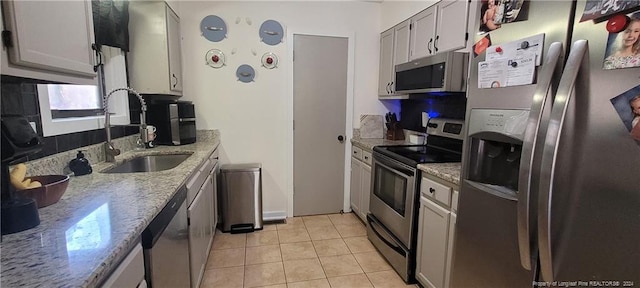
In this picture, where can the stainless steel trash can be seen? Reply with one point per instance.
(241, 197)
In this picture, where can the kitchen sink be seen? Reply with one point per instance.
(148, 163)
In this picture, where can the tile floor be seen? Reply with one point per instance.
(306, 252)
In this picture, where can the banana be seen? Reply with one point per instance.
(34, 184)
(17, 176)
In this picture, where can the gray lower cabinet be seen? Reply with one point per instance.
(200, 235)
(436, 227)
(360, 182)
(202, 215)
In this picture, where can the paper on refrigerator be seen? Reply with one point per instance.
(492, 74)
(519, 70)
(518, 48)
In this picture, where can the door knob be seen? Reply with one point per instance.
(340, 138)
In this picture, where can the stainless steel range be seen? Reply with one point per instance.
(394, 202)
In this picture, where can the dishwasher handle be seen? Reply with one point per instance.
(152, 233)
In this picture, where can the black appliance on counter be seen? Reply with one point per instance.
(175, 121)
(18, 141)
(394, 201)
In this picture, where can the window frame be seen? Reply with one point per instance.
(115, 76)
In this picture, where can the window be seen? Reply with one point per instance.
(67, 101)
(74, 108)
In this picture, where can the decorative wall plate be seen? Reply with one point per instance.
(245, 73)
(213, 28)
(269, 60)
(271, 32)
(215, 58)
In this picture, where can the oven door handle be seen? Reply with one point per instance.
(384, 239)
(403, 170)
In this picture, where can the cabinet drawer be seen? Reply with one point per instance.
(356, 152)
(366, 157)
(437, 191)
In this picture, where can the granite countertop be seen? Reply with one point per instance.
(97, 222)
(446, 171)
(368, 144)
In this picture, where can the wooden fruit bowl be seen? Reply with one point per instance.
(53, 187)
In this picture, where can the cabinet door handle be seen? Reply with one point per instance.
(429, 45)
(431, 190)
(388, 91)
(435, 43)
(391, 87)
(174, 77)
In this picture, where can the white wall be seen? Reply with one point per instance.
(393, 12)
(252, 118)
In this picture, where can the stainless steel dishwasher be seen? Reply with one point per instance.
(166, 245)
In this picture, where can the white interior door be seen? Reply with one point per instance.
(319, 113)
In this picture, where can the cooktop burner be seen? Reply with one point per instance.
(417, 154)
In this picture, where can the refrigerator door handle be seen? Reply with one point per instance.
(551, 68)
(576, 68)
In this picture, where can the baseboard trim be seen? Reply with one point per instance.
(274, 216)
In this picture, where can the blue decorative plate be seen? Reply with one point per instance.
(245, 73)
(271, 32)
(213, 28)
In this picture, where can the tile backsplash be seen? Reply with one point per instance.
(451, 105)
(20, 97)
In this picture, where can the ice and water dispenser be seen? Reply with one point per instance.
(495, 139)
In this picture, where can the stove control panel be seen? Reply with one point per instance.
(451, 128)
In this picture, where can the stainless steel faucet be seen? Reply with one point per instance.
(110, 151)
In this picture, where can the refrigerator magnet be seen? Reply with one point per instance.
(481, 45)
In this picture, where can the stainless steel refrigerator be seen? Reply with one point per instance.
(549, 188)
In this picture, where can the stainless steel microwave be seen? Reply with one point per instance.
(444, 72)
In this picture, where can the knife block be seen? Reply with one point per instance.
(394, 131)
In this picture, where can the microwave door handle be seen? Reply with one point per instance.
(576, 71)
(549, 71)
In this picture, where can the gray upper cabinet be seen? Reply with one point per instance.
(386, 62)
(49, 40)
(394, 49)
(154, 57)
(175, 65)
(439, 28)
(423, 33)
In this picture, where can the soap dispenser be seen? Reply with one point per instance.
(80, 165)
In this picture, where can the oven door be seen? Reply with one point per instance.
(393, 195)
